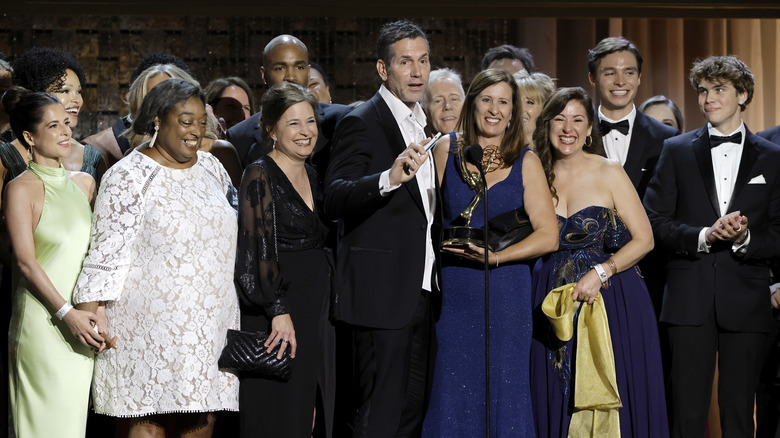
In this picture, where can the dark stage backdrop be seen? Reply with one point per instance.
(109, 47)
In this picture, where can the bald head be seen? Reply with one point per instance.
(285, 58)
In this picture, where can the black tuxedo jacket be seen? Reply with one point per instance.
(247, 137)
(681, 199)
(771, 134)
(644, 148)
(381, 244)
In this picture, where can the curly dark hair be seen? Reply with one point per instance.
(554, 106)
(728, 68)
(44, 69)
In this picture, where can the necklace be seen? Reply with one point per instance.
(492, 158)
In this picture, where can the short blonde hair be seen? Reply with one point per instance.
(538, 86)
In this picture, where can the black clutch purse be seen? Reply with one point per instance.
(508, 228)
(245, 351)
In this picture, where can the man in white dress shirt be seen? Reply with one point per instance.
(630, 137)
(381, 186)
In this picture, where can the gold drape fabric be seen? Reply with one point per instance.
(596, 398)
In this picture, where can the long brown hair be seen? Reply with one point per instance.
(512, 144)
(554, 106)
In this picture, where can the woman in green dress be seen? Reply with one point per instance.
(49, 216)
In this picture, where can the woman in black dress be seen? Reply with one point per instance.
(283, 270)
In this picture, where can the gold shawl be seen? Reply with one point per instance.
(596, 398)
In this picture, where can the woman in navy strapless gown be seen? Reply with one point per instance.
(603, 227)
(515, 179)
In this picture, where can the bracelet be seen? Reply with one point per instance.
(496, 258)
(612, 266)
(63, 310)
(602, 274)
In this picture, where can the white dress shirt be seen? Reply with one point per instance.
(725, 166)
(615, 143)
(412, 123)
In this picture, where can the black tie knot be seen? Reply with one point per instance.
(605, 127)
(717, 140)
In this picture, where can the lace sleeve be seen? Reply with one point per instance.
(119, 210)
(215, 168)
(258, 276)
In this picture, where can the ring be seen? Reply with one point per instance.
(738, 230)
(284, 340)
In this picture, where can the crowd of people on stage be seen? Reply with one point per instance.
(637, 301)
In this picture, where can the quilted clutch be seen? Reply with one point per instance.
(508, 228)
(245, 351)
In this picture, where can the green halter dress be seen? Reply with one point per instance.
(50, 370)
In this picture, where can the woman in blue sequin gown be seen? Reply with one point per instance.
(515, 179)
(588, 190)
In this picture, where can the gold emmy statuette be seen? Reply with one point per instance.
(462, 234)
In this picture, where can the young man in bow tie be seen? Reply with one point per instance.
(714, 204)
(615, 70)
(630, 137)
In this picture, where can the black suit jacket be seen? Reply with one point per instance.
(771, 134)
(681, 199)
(644, 148)
(247, 137)
(382, 239)
(243, 135)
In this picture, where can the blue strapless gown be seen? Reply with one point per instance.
(457, 407)
(587, 238)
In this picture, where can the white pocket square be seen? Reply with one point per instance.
(758, 180)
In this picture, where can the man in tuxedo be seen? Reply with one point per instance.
(286, 58)
(630, 137)
(615, 70)
(714, 204)
(381, 185)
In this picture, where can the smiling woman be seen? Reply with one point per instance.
(604, 232)
(516, 182)
(283, 270)
(58, 73)
(50, 358)
(162, 258)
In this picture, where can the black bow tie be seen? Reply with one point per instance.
(605, 127)
(716, 140)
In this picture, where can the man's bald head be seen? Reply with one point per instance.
(285, 58)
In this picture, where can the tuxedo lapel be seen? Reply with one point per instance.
(749, 156)
(701, 149)
(396, 143)
(636, 148)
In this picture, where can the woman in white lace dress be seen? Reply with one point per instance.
(162, 259)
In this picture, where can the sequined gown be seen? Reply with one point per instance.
(283, 267)
(589, 237)
(457, 407)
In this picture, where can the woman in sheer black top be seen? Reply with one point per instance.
(283, 270)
